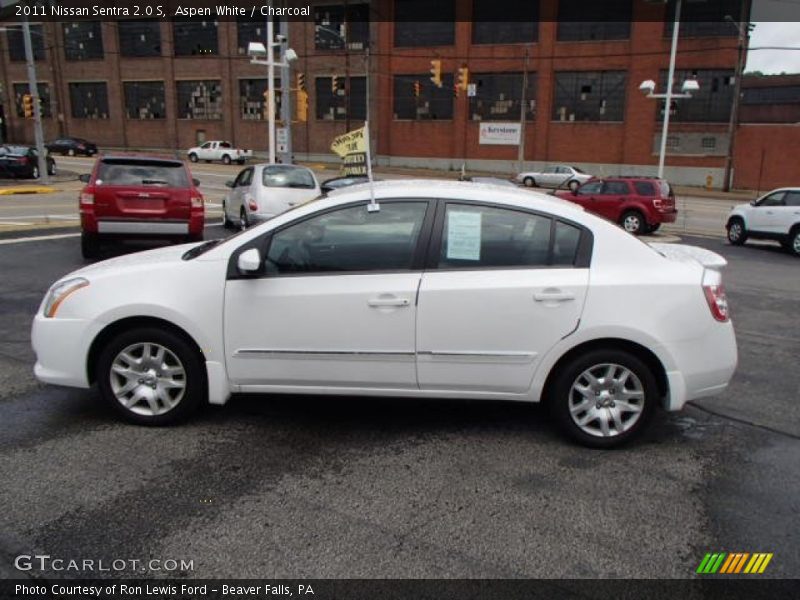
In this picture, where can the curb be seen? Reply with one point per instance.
(27, 189)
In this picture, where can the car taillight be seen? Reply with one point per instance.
(253, 205)
(23, 160)
(197, 202)
(87, 198)
(717, 301)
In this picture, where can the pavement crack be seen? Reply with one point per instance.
(745, 422)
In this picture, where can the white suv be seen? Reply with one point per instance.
(774, 216)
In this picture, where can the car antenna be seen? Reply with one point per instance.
(373, 206)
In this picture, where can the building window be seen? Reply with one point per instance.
(589, 96)
(673, 142)
(607, 20)
(89, 100)
(711, 103)
(195, 38)
(199, 100)
(433, 103)
(253, 31)
(139, 38)
(333, 104)
(20, 89)
(498, 96)
(520, 24)
(704, 19)
(786, 94)
(709, 143)
(412, 26)
(331, 32)
(16, 43)
(253, 99)
(145, 100)
(83, 41)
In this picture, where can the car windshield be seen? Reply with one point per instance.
(287, 177)
(142, 172)
(16, 149)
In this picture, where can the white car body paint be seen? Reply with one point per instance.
(495, 342)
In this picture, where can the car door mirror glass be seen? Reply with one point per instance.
(249, 261)
(84, 177)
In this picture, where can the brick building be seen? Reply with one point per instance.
(165, 84)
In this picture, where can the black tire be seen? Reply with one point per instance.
(193, 378)
(51, 168)
(561, 395)
(226, 159)
(793, 244)
(529, 182)
(244, 220)
(226, 222)
(193, 157)
(633, 222)
(71, 152)
(654, 227)
(242, 161)
(35, 172)
(90, 246)
(573, 185)
(737, 233)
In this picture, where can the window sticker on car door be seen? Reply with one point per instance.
(464, 235)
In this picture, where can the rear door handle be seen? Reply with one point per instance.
(381, 302)
(553, 296)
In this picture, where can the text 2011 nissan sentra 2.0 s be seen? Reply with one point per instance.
(448, 290)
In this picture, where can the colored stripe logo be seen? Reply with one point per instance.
(734, 563)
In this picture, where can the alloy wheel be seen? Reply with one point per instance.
(606, 400)
(735, 231)
(796, 243)
(632, 223)
(147, 379)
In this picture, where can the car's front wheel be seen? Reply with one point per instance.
(244, 220)
(226, 159)
(737, 235)
(573, 185)
(633, 222)
(226, 222)
(794, 241)
(193, 157)
(35, 172)
(151, 376)
(603, 398)
(71, 151)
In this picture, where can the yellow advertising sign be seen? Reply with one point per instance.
(352, 148)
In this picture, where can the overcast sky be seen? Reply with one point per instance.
(782, 29)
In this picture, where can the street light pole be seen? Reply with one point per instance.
(33, 88)
(523, 100)
(286, 105)
(271, 87)
(743, 28)
(668, 95)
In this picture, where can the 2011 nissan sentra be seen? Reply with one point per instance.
(435, 289)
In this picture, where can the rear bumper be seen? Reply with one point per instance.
(667, 217)
(143, 227)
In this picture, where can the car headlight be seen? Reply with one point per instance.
(60, 291)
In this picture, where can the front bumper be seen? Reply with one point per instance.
(61, 347)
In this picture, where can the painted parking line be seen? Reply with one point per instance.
(38, 238)
(16, 223)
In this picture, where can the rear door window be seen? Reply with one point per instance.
(615, 188)
(792, 199)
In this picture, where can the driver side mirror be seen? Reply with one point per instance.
(195, 182)
(229, 183)
(84, 177)
(249, 261)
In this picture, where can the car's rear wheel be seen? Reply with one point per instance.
(529, 182)
(35, 172)
(193, 157)
(244, 220)
(151, 376)
(226, 159)
(603, 398)
(633, 222)
(794, 241)
(51, 168)
(90, 245)
(226, 222)
(573, 185)
(737, 234)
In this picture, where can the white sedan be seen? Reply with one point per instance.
(437, 289)
(555, 176)
(262, 191)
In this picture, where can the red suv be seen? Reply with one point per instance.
(639, 204)
(130, 197)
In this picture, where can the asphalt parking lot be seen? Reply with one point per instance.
(376, 488)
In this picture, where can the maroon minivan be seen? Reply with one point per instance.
(639, 204)
(136, 197)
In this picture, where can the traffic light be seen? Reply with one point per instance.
(416, 89)
(436, 72)
(302, 106)
(463, 79)
(27, 105)
(301, 81)
(334, 85)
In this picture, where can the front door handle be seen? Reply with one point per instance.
(384, 301)
(553, 295)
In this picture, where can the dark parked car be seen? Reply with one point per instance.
(129, 197)
(340, 182)
(22, 161)
(72, 146)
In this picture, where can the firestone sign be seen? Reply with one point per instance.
(500, 134)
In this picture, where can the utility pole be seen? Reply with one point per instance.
(33, 89)
(346, 70)
(744, 28)
(271, 87)
(668, 95)
(286, 105)
(521, 150)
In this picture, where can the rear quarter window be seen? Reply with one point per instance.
(644, 188)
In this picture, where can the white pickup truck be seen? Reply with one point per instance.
(219, 150)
